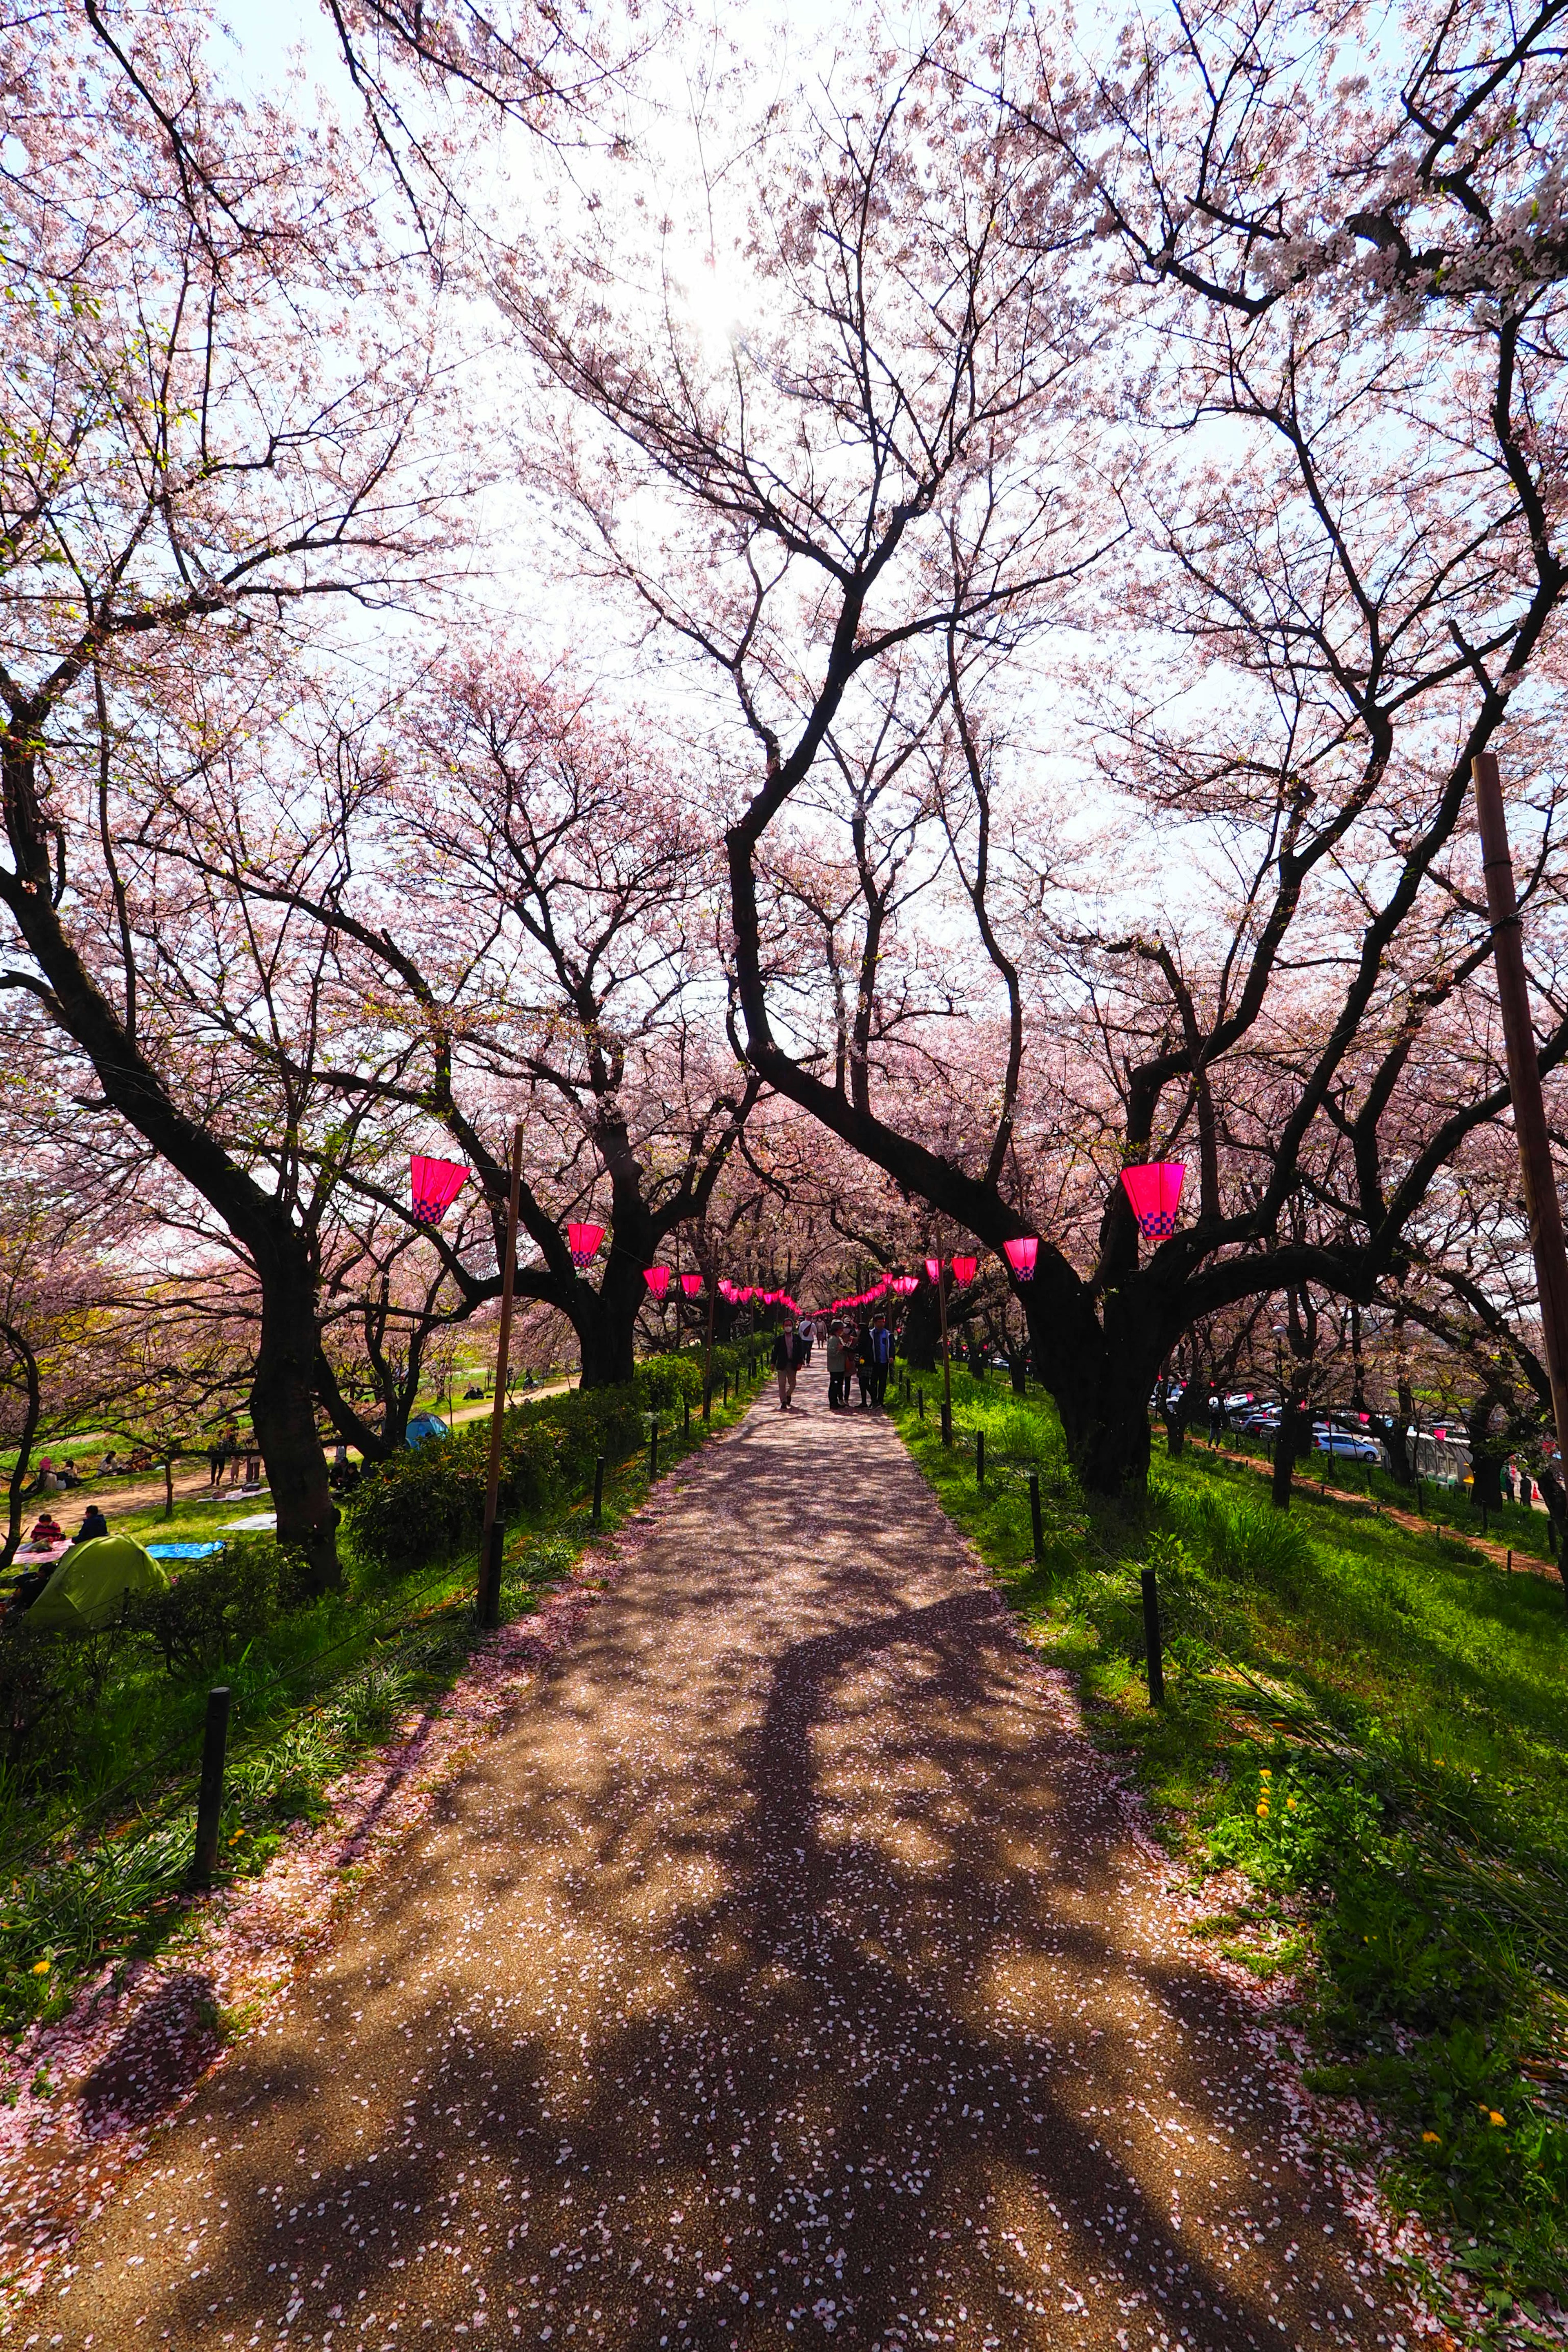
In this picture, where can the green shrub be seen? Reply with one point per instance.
(429, 1501)
(216, 1607)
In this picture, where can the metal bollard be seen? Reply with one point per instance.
(980, 1458)
(598, 1488)
(489, 1577)
(209, 1796)
(653, 1451)
(1039, 1525)
(1151, 1638)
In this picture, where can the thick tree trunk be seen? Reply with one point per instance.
(923, 1330)
(1293, 1442)
(283, 1415)
(1100, 1376)
(31, 1414)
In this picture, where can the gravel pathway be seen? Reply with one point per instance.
(783, 1971)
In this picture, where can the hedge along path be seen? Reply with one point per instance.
(785, 1970)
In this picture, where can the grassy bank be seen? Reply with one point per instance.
(97, 1830)
(1369, 1726)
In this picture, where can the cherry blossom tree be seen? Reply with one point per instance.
(214, 434)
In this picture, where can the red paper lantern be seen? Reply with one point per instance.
(691, 1284)
(582, 1241)
(434, 1184)
(905, 1285)
(1021, 1256)
(934, 1269)
(964, 1269)
(658, 1279)
(1155, 1191)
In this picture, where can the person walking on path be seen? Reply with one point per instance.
(865, 1366)
(838, 1369)
(882, 1356)
(788, 1354)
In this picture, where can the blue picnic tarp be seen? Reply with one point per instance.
(182, 1551)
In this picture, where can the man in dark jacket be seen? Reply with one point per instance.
(789, 1356)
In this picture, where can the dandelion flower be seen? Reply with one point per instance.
(1494, 2118)
(1264, 1773)
(1431, 2139)
(1289, 1804)
(1263, 1811)
(42, 1968)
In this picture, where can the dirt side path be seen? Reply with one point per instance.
(785, 1972)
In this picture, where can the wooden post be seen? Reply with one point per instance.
(1039, 1523)
(209, 1795)
(598, 1487)
(497, 1413)
(1524, 1084)
(1510, 1560)
(1151, 1638)
(708, 1359)
(920, 1403)
(946, 1367)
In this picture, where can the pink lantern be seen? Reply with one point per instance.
(1021, 1256)
(691, 1284)
(1155, 1191)
(656, 1278)
(904, 1286)
(582, 1241)
(434, 1184)
(934, 1269)
(964, 1269)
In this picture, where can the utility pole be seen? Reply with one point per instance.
(493, 1538)
(1541, 1201)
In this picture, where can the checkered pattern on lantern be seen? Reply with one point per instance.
(1158, 1227)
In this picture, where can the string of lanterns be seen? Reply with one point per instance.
(1154, 1189)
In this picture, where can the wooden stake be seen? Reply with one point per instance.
(489, 1580)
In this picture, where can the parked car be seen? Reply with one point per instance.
(1348, 1445)
(1262, 1421)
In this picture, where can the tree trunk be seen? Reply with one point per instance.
(1294, 1441)
(922, 1330)
(1099, 1377)
(283, 1415)
(24, 1354)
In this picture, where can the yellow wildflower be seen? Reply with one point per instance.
(1493, 2117)
(1431, 2139)
(1263, 1811)
(1289, 1804)
(42, 1968)
(1264, 1773)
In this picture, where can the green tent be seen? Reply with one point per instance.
(89, 1588)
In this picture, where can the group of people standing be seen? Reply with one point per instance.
(864, 1355)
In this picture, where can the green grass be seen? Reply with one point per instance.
(94, 1857)
(1369, 1726)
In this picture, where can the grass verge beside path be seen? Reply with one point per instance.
(1366, 1728)
(94, 1861)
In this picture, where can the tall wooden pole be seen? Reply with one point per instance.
(946, 1370)
(1541, 1201)
(708, 1358)
(490, 1550)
